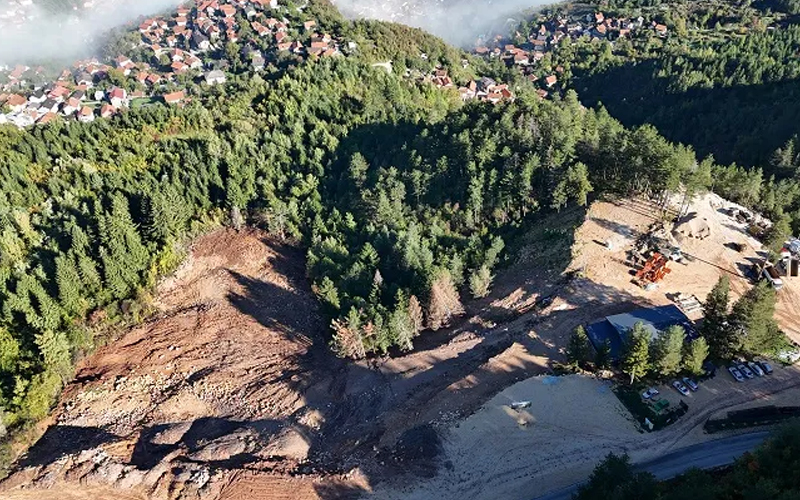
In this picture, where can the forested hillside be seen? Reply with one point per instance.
(722, 78)
(403, 195)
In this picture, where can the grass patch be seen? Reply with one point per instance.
(140, 102)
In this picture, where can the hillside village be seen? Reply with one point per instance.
(528, 53)
(188, 47)
(183, 46)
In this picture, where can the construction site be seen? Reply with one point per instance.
(173, 409)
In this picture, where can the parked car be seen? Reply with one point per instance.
(649, 393)
(747, 372)
(709, 369)
(736, 374)
(766, 367)
(756, 369)
(691, 384)
(680, 388)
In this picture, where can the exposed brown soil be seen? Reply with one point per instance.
(231, 392)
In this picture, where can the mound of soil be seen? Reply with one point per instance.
(216, 383)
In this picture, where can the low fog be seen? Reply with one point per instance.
(459, 22)
(31, 34)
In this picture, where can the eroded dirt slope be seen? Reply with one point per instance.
(215, 384)
(231, 392)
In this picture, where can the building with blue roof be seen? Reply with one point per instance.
(613, 330)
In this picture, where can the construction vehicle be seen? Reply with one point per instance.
(655, 269)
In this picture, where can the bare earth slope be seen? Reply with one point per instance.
(231, 392)
(214, 384)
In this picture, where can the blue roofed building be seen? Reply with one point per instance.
(613, 330)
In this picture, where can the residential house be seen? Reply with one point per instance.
(258, 62)
(174, 97)
(106, 111)
(86, 115)
(118, 97)
(215, 77)
(16, 103)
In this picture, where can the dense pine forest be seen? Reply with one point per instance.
(403, 195)
(723, 80)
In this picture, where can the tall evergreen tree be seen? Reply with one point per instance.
(70, 287)
(636, 356)
(694, 355)
(667, 351)
(752, 316)
(723, 342)
(579, 349)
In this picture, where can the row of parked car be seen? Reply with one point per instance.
(684, 386)
(749, 369)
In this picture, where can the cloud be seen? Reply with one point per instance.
(460, 22)
(47, 35)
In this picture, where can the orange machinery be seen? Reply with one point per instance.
(655, 269)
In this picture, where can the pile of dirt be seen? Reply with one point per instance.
(216, 383)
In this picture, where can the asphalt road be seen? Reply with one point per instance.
(706, 455)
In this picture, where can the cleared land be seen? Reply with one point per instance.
(231, 392)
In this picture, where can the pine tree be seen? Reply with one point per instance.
(579, 348)
(444, 302)
(416, 314)
(480, 282)
(9, 352)
(402, 325)
(636, 358)
(694, 355)
(69, 285)
(90, 277)
(167, 213)
(349, 336)
(753, 317)
(721, 337)
(124, 256)
(602, 358)
(668, 351)
(55, 350)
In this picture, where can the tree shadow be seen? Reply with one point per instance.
(616, 227)
(274, 307)
(718, 121)
(62, 440)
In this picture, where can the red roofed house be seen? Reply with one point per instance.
(47, 118)
(118, 97)
(550, 80)
(106, 111)
(86, 115)
(174, 98)
(16, 102)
